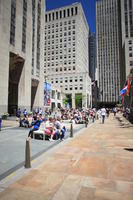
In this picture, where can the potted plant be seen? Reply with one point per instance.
(5, 115)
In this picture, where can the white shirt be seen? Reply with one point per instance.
(103, 111)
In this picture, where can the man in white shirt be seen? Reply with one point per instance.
(103, 113)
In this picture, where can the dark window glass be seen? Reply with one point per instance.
(56, 15)
(13, 22)
(64, 12)
(72, 11)
(38, 38)
(46, 18)
(33, 33)
(60, 14)
(24, 25)
(68, 12)
(53, 16)
(76, 10)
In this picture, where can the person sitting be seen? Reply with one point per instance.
(35, 126)
(49, 129)
(60, 129)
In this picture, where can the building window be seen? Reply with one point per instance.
(76, 10)
(72, 11)
(24, 25)
(70, 87)
(76, 87)
(53, 16)
(81, 87)
(131, 63)
(46, 18)
(49, 16)
(56, 15)
(68, 12)
(81, 78)
(13, 22)
(60, 14)
(38, 38)
(64, 13)
(130, 54)
(33, 34)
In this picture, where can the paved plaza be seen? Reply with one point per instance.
(97, 164)
(13, 142)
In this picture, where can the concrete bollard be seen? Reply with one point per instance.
(27, 154)
(86, 123)
(71, 130)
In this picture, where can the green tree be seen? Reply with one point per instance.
(65, 101)
(78, 100)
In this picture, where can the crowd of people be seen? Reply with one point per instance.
(53, 121)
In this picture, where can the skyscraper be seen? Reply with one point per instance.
(21, 54)
(66, 52)
(127, 34)
(109, 50)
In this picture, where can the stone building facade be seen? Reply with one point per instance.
(21, 54)
(66, 52)
(109, 50)
(127, 34)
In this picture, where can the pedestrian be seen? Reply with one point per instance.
(114, 111)
(18, 113)
(103, 114)
(25, 112)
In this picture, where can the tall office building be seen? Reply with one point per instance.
(21, 54)
(127, 33)
(92, 56)
(109, 50)
(66, 52)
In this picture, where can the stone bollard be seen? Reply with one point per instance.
(27, 154)
(71, 130)
(86, 123)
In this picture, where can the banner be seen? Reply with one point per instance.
(47, 90)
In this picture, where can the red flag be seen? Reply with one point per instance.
(128, 87)
(123, 98)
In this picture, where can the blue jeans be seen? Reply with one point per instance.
(103, 118)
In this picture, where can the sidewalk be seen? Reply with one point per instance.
(9, 124)
(92, 166)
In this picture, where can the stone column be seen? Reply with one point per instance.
(73, 100)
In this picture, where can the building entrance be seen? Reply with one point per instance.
(16, 64)
(69, 100)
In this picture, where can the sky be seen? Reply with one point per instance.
(89, 7)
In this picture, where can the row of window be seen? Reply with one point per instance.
(74, 87)
(66, 80)
(61, 14)
(61, 69)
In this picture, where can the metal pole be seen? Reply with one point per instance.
(71, 130)
(27, 154)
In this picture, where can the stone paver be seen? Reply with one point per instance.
(92, 166)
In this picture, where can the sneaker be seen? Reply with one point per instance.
(51, 140)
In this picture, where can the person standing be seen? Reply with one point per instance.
(103, 114)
